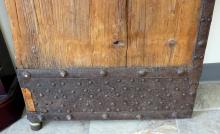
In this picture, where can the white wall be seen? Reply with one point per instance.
(212, 52)
(5, 26)
(213, 49)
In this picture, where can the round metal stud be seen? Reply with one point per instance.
(139, 116)
(142, 73)
(106, 82)
(182, 107)
(69, 117)
(103, 73)
(90, 82)
(104, 116)
(26, 75)
(41, 95)
(108, 109)
(62, 83)
(84, 110)
(98, 90)
(132, 80)
(157, 80)
(53, 84)
(44, 110)
(203, 19)
(201, 43)
(112, 104)
(117, 109)
(63, 73)
(40, 117)
(38, 84)
(119, 80)
(209, 19)
(91, 96)
(79, 83)
(125, 88)
(180, 71)
(171, 42)
(201, 57)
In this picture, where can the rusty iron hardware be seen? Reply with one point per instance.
(86, 94)
(118, 93)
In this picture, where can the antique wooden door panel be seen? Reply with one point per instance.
(109, 59)
(162, 33)
(52, 34)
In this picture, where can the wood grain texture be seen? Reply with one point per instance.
(70, 33)
(103, 33)
(152, 23)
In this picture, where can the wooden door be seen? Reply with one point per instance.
(100, 33)
(144, 55)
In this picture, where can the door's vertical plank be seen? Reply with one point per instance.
(25, 30)
(109, 32)
(64, 33)
(151, 24)
(73, 33)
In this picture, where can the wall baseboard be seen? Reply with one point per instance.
(211, 72)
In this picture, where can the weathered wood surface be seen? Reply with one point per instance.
(103, 33)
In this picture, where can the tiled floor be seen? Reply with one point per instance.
(206, 120)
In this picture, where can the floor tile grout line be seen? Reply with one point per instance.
(206, 109)
(89, 127)
(177, 125)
